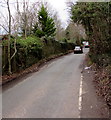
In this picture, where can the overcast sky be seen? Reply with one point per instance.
(59, 5)
(62, 7)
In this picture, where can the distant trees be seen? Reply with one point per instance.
(75, 32)
(25, 18)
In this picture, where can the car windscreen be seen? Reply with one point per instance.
(77, 47)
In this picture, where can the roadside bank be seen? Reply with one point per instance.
(34, 68)
(94, 104)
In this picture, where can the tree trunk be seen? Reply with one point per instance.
(9, 37)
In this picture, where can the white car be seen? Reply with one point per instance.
(78, 49)
(86, 45)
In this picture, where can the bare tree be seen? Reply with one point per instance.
(76, 32)
(22, 17)
(8, 29)
(27, 17)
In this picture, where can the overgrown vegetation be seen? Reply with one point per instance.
(30, 51)
(34, 32)
(96, 19)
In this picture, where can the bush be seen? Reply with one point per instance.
(30, 51)
(101, 60)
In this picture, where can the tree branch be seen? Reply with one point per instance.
(4, 28)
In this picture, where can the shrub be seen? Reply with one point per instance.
(31, 50)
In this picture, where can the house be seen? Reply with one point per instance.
(1, 37)
(4, 37)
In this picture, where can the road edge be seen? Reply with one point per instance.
(34, 68)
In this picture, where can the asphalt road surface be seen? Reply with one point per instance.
(0, 59)
(52, 92)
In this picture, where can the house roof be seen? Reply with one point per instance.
(1, 37)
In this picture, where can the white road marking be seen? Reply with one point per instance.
(80, 94)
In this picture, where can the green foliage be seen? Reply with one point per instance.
(29, 41)
(45, 26)
(63, 40)
(75, 32)
(72, 41)
(35, 27)
(30, 50)
(78, 42)
(96, 19)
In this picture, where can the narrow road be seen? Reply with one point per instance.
(52, 92)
